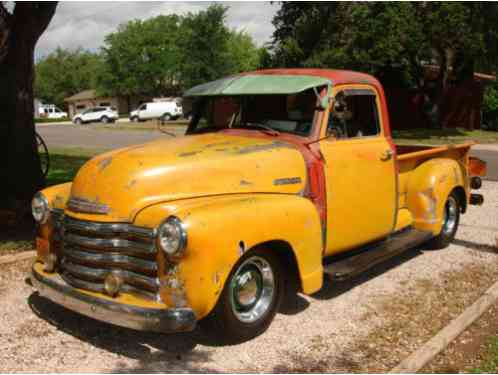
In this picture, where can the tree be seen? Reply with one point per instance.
(402, 37)
(64, 73)
(20, 170)
(204, 42)
(142, 58)
(243, 55)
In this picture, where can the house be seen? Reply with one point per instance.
(460, 106)
(89, 98)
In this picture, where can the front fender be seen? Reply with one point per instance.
(220, 229)
(428, 188)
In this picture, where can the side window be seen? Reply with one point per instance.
(354, 114)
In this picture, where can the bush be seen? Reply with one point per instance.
(490, 100)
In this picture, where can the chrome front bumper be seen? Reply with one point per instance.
(139, 318)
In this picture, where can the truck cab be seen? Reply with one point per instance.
(283, 177)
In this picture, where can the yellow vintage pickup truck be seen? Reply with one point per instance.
(283, 177)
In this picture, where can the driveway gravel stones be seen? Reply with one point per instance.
(369, 323)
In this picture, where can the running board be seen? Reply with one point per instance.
(344, 266)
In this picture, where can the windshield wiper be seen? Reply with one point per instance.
(268, 129)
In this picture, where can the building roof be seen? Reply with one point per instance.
(83, 95)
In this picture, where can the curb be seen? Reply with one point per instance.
(5, 259)
(418, 359)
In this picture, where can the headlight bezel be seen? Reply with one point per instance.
(46, 208)
(181, 237)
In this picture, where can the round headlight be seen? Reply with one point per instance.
(171, 236)
(39, 208)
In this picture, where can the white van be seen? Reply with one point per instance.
(50, 111)
(167, 110)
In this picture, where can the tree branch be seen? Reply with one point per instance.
(35, 15)
(5, 27)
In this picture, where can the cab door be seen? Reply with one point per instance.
(359, 170)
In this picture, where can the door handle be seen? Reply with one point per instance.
(386, 155)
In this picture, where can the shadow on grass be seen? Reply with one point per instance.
(441, 136)
(64, 167)
(17, 238)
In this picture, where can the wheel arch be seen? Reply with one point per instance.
(222, 230)
(287, 258)
(429, 186)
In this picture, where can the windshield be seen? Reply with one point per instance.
(269, 113)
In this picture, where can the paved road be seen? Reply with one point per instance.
(89, 136)
(491, 157)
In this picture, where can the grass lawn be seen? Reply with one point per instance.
(489, 363)
(444, 136)
(178, 126)
(65, 162)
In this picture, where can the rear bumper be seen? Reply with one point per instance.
(139, 318)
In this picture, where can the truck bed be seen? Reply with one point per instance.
(409, 157)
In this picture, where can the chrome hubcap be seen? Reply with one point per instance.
(252, 290)
(450, 216)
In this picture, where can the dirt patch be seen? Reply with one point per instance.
(418, 314)
(470, 349)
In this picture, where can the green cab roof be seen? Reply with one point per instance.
(258, 84)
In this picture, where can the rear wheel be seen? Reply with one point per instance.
(251, 297)
(451, 219)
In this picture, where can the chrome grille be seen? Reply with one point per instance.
(91, 251)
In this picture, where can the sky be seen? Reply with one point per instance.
(85, 24)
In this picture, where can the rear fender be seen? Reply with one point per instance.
(220, 230)
(428, 188)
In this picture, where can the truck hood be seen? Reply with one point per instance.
(116, 185)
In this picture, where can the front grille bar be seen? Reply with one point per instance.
(98, 274)
(111, 260)
(113, 244)
(99, 287)
(107, 229)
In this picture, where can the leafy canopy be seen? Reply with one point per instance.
(63, 73)
(365, 36)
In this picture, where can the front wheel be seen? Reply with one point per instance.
(451, 219)
(104, 120)
(166, 117)
(250, 299)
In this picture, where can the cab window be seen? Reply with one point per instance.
(277, 113)
(353, 115)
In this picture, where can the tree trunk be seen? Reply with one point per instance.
(20, 170)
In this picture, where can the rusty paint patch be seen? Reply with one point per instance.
(130, 184)
(174, 287)
(242, 248)
(430, 214)
(217, 144)
(287, 181)
(245, 183)
(104, 163)
(59, 200)
(261, 147)
(191, 153)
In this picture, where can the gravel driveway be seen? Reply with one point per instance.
(333, 330)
